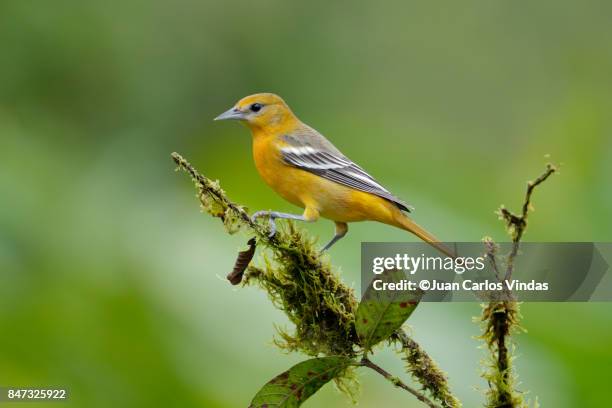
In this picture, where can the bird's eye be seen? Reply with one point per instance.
(256, 107)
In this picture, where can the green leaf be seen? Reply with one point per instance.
(291, 388)
(381, 313)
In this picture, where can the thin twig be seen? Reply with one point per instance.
(398, 383)
(491, 253)
(518, 223)
(501, 317)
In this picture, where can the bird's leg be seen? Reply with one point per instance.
(273, 215)
(341, 230)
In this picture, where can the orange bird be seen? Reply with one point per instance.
(307, 170)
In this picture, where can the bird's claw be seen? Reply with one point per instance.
(272, 227)
(258, 214)
(271, 221)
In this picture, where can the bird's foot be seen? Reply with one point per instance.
(271, 220)
(258, 214)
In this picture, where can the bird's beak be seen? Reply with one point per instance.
(231, 114)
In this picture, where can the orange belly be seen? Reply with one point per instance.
(332, 200)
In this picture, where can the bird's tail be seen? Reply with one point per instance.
(407, 224)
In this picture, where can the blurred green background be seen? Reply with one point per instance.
(112, 283)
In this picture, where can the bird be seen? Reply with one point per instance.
(306, 169)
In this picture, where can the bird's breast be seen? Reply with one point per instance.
(275, 172)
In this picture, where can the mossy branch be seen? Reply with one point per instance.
(425, 370)
(303, 284)
(502, 318)
(214, 201)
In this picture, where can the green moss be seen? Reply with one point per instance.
(304, 285)
(500, 320)
(300, 283)
(424, 369)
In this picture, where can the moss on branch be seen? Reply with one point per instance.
(425, 371)
(305, 286)
(501, 319)
(322, 308)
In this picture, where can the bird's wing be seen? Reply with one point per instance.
(310, 151)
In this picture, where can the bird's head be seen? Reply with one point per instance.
(260, 111)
